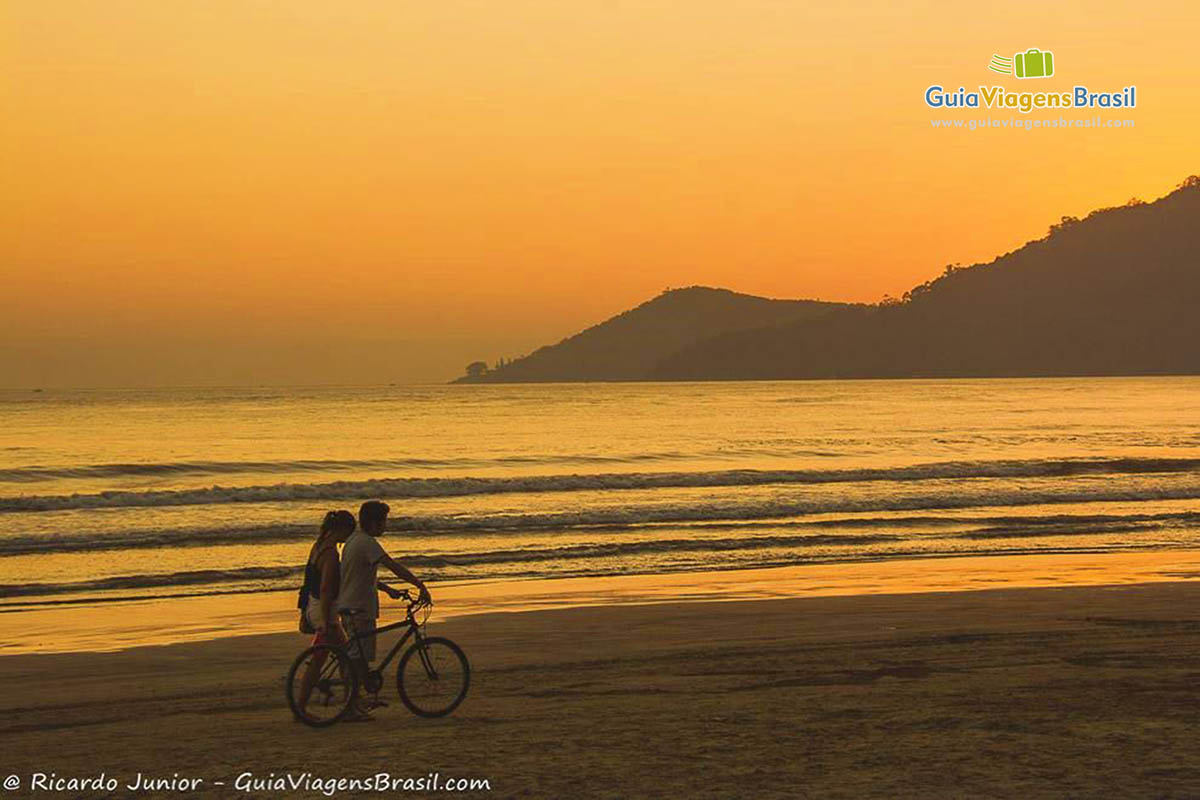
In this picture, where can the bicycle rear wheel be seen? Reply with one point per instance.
(433, 677)
(321, 685)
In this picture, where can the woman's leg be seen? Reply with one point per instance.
(310, 677)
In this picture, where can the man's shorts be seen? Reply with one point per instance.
(360, 623)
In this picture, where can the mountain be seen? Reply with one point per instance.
(1116, 293)
(629, 346)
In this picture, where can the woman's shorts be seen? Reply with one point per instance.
(313, 613)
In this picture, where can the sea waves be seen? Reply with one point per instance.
(411, 487)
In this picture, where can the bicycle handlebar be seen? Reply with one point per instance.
(413, 602)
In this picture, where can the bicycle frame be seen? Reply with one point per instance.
(414, 630)
(350, 671)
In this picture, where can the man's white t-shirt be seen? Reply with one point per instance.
(360, 558)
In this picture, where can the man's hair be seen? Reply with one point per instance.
(372, 513)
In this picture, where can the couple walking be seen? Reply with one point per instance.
(340, 596)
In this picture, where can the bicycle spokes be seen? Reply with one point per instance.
(321, 685)
(433, 677)
(427, 662)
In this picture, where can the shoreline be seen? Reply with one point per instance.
(125, 625)
(1081, 691)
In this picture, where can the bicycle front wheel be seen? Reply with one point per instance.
(321, 685)
(433, 677)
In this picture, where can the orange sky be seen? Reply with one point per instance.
(203, 191)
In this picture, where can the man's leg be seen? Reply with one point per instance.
(362, 652)
(368, 650)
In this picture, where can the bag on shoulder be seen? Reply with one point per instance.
(310, 588)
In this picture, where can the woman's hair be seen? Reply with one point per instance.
(338, 521)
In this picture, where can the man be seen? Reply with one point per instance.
(358, 598)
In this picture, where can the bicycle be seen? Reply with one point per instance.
(432, 678)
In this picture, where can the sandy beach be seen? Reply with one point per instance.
(1033, 692)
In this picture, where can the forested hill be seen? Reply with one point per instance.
(1115, 293)
(628, 346)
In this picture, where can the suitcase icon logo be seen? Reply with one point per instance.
(1033, 63)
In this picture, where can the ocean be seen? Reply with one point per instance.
(108, 495)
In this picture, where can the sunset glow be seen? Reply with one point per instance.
(241, 192)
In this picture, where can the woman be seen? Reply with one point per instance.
(322, 574)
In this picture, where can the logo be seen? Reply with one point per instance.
(1033, 63)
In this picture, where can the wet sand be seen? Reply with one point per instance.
(1015, 693)
(105, 627)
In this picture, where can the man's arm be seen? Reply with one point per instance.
(403, 573)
